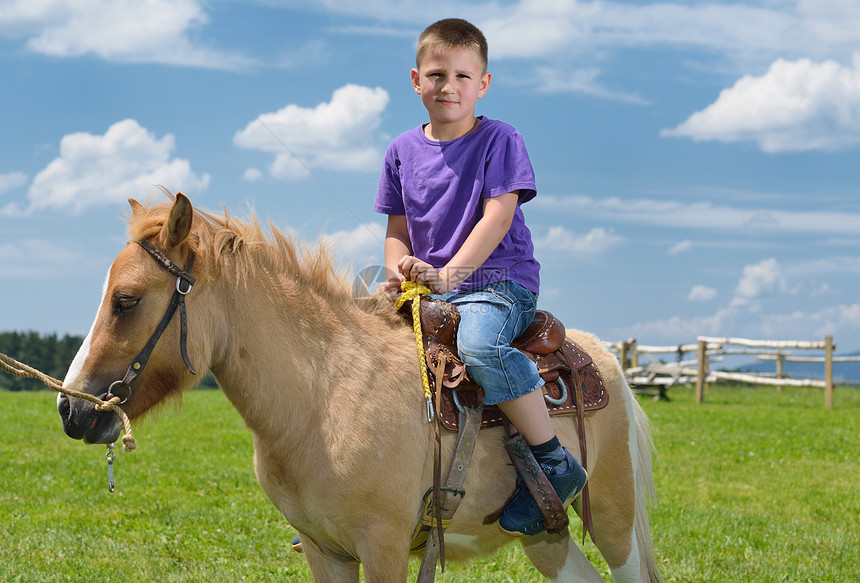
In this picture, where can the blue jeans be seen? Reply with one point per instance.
(490, 318)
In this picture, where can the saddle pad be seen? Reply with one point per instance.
(594, 392)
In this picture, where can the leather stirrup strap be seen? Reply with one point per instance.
(576, 377)
(435, 540)
(452, 492)
(554, 516)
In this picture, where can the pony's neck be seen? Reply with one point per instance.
(285, 342)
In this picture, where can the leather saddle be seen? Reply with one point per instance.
(567, 369)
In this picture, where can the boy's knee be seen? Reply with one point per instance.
(477, 349)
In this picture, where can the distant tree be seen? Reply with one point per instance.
(48, 354)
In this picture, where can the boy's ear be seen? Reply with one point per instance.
(485, 84)
(416, 81)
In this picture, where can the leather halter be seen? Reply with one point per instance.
(184, 283)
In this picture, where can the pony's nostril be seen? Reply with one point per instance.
(64, 407)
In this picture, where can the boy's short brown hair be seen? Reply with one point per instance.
(452, 33)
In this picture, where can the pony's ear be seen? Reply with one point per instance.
(178, 225)
(136, 208)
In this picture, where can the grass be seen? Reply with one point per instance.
(753, 485)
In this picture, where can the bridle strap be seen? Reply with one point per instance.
(184, 283)
(167, 264)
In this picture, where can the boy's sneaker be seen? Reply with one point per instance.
(522, 517)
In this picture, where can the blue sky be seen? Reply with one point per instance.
(697, 162)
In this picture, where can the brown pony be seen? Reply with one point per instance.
(332, 395)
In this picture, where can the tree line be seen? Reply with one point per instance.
(47, 353)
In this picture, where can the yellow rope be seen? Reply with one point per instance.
(14, 367)
(413, 291)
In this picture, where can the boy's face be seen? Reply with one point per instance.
(450, 82)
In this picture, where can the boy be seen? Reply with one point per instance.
(452, 190)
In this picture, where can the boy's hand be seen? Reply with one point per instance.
(392, 284)
(413, 269)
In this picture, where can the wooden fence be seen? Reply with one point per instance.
(656, 376)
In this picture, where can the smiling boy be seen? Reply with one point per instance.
(452, 189)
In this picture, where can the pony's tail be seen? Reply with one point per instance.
(645, 494)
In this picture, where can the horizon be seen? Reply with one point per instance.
(695, 162)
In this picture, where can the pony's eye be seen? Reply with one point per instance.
(124, 305)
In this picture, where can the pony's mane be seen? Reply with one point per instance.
(225, 243)
(246, 248)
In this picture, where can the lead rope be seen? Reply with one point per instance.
(413, 291)
(16, 368)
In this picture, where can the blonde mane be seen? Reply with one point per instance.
(246, 249)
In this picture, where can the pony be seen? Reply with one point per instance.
(331, 391)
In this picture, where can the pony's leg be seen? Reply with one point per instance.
(329, 567)
(629, 572)
(384, 559)
(559, 559)
(616, 507)
(620, 548)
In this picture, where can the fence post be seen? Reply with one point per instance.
(634, 354)
(828, 372)
(622, 356)
(780, 356)
(702, 371)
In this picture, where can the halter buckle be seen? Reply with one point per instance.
(179, 281)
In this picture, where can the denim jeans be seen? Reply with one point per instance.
(490, 318)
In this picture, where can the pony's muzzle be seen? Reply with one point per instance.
(69, 418)
(81, 420)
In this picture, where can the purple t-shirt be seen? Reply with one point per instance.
(440, 187)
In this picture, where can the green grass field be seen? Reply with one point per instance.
(753, 485)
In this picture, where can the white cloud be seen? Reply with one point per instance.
(679, 248)
(841, 321)
(748, 315)
(795, 106)
(337, 135)
(252, 174)
(701, 293)
(823, 289)
(739, 34)
(11, 210)
(156, 31)
(558, 36)
(533, 28)
(834, 265)
(596, 242)
(12, 180)
(762, 279)
(362, 245)
(126, 161)
(36, 258)
(542, 28)
(642, 211)
(584, 81)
